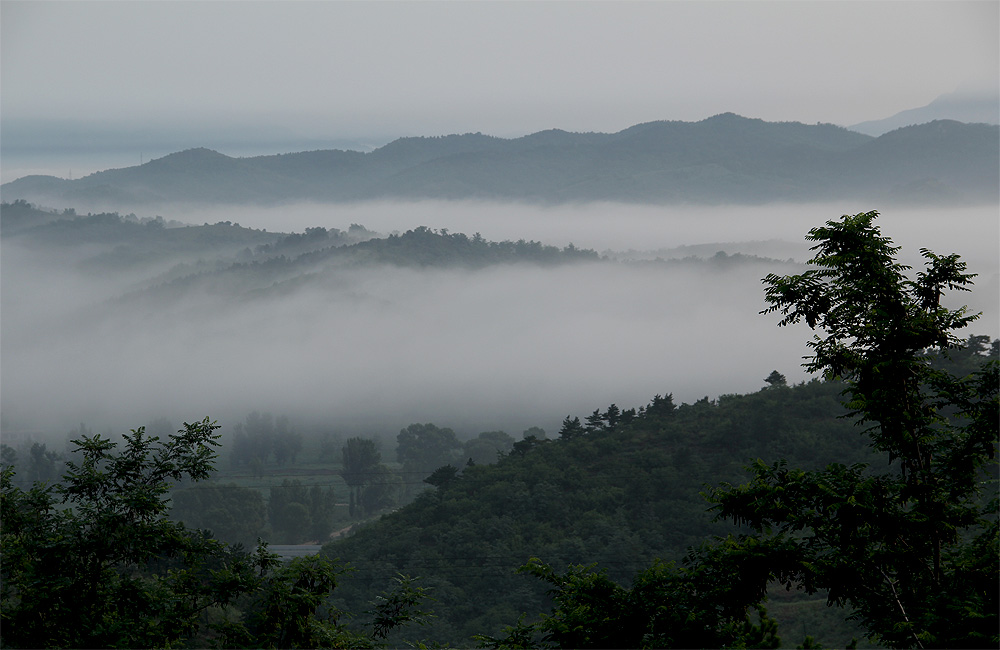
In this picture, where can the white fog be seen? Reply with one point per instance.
(373, 349)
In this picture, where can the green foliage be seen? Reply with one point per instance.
(442, 476)
(82, 575)
(235, 515)
(42, 464)
(422, 448)
(399, 606)
(298, 513)
(619, 498)
(384, 490)
(910, 552)
(288, 610)
(488, 446)
(103, 567)
(914, 549)
(571, 428)
(775, 380)
(666, 607)
(8, 456)
(360, 458)
(262, 436)
(360, 464)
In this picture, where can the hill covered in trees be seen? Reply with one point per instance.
(722, 159)
(618, 488)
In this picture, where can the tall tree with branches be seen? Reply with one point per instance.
(914, 548)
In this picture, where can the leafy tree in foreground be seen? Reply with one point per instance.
(106, 568)
(75, 577)
(914, 550)
(699, 605)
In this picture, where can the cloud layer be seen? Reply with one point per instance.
(373, 349)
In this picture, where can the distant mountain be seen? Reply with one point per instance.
(962, 107)
(722, 159)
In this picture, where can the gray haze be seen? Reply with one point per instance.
(122, 81)
(982, 108)
(373, 349)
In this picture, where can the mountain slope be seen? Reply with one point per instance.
(962, 107)
(723, 159)
(619, 495)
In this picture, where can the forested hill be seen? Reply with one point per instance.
(619, 488)
(167, 259)
(722, 159)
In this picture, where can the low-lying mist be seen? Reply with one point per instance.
(372, 348)
(971, 231)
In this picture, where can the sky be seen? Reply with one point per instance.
(169, 75)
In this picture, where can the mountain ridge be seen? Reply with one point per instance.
(725, 158)
(968, 107)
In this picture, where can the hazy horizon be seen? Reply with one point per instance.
(107, 84)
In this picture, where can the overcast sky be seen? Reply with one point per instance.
(357, 69)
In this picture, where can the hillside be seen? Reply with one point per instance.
(722, 159)
(620, 492)
(970, 107)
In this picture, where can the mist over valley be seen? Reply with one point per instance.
(531, 313)
(457, 324)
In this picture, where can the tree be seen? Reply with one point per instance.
(361, 458)
(298, 513)
(537, 432)
(8, 457)
(442, 476)
(106, 568)
(382, 491)
(235, 515)
(287, 610)
(287, 443)
(522, 447)
(694, 606)
(42, 463)
(488, 447)
(422, 448)
(399, 606)
(595, 422)
(322, 504)
(612, 416)
(83, 575)
(661, 406)
(258, 438)
(775, 380)
(328, 444)
(913, 549)
(571, 428)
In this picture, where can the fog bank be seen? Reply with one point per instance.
(374, 348)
